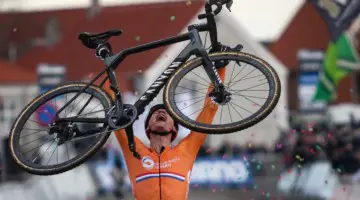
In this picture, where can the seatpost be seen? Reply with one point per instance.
(103, 51)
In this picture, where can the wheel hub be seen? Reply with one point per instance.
(220, 97)
(64, 131)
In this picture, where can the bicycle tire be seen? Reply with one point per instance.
(178, 116)
(20, 121)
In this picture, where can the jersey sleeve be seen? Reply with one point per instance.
(192, 143)
(123, 141)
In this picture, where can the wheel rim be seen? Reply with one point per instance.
(65, 152)
(231, 79)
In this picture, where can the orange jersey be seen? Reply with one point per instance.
(165, 176)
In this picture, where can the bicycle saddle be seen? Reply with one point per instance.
(92, 40)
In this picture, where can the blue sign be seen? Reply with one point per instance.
(45, 114)
(310, 62)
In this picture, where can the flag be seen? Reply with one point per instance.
(341, 56)
(341, 59)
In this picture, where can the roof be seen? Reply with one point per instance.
(147, 22)
(306, 30)
(13, 74)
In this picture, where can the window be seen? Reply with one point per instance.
(52, 32)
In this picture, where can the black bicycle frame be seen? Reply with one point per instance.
(195, 47)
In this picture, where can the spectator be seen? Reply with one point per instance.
(229, 149)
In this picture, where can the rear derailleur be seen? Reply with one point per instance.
(64, 131)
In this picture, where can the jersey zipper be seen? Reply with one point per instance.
(161, 150)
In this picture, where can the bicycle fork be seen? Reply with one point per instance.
(211, 70)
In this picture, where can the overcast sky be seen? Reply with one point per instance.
(264, 19)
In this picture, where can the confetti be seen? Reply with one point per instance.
(351, 90)
(318, 147)
(208, 150)
(311, 150)
(139, 71)
(268, 194)
(188, 3)
(258, 167)
(172, 18)
(14, 29)
(137, 38)
(272, 167)
(91, 75)
(279, 146)
(213, 190)
(299, 158)
(250, 145)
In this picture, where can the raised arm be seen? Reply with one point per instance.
(192, 143)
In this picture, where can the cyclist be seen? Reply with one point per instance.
(163, 172)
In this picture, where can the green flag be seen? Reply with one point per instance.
(340, 60)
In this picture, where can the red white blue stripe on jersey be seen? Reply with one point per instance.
(162, 175)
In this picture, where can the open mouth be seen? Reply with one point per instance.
(161, 117)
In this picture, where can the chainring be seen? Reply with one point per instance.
(130, 114)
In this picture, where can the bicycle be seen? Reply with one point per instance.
(117, 115)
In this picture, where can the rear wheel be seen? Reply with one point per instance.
(42, 147)
(249, 80)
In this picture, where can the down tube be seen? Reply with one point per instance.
(159, 83)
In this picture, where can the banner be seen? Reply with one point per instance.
(337, 14)
(217, 171)
(310, 62)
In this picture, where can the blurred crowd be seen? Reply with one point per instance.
(309, 142)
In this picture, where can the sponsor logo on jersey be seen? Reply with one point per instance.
(147, 162)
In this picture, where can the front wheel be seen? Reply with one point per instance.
(252, 84)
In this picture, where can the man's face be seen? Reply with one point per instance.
(161, 121)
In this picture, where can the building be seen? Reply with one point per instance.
(308, 30)
(17, 88)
